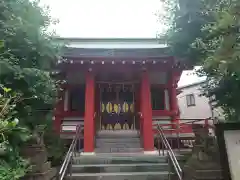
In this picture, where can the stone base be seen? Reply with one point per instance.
(88, 153)
(41, 167)
(195, 169)
(191, 173)
(48, 175)
(154, 152)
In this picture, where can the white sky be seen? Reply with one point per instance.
(110, 18)
(106, 18)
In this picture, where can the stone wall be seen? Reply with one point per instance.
(204, 162)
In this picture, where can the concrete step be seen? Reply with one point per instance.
(163, 175)
(121, 139)
(110, 168)
(124, 158)
(118, 149)
(119, 158)
(117, 134)
(118, 144)
(114, 141)
(117, 141)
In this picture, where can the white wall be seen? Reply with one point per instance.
(201, 110)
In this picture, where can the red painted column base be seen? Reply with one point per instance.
(146, 108)
(89, 115)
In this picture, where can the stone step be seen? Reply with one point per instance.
(126, 137)
(129, 141)
(124, 158)
(115, 141)
(163, 175)
(110, 168)
(120, 158)
(117, 134)
(118, 149)
(118, 143)
(109, 146)
(120, 138)
(128, 144)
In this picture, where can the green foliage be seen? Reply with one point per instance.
(12, 166)
(184, 19)
(56, 147)
(221, 60)
(207, 33)
(28, 53)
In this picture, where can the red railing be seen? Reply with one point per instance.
(69, 132)
(72, 132)
(181, 135)
(182, 126)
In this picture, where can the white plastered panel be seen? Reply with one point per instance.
(160, 120)
(70, 123)
(166, 97)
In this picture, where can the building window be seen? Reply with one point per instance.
(157, 97)
(190, 100)
(77, 99)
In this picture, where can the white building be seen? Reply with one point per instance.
(193, 105)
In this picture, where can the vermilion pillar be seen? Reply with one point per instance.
(89, 114)
(146, 109)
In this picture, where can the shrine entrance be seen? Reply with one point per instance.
(117, 106)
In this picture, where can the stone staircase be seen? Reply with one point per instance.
(119, 156)
(120, 166)
(118, 141)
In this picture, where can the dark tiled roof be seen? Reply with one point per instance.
(117, 53)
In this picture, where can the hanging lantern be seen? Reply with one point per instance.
(115, 108)
(125, 107)
(132, 108)
(109, 107)
(102, 107)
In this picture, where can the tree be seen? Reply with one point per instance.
(28, 53)
(207, 33)
(12, 165)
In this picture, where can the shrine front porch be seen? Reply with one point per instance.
(116, 101)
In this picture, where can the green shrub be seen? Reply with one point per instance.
(12, 166)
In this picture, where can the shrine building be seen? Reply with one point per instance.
(116, 84)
